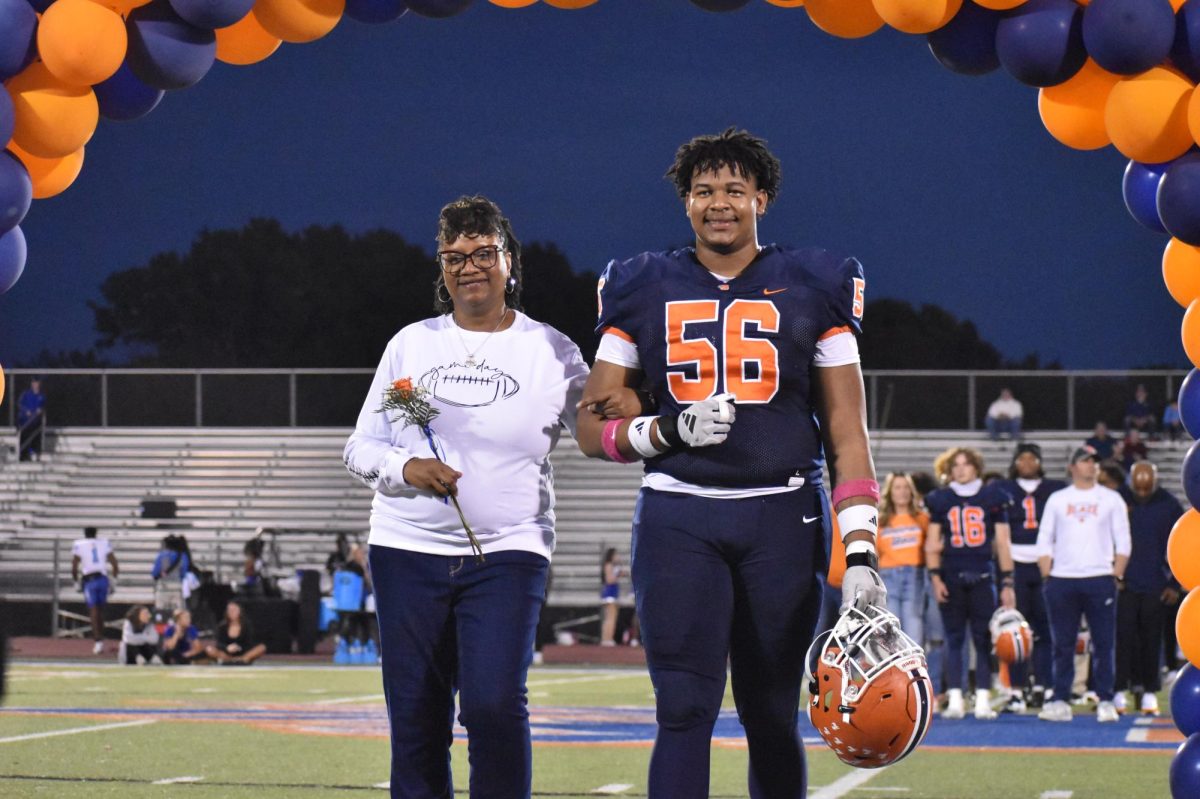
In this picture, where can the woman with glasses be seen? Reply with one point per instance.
(450, 620)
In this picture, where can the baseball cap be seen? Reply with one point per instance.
(1029, 447)
(1083, 453)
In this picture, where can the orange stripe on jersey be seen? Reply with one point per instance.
(621, 334)
(833, 331)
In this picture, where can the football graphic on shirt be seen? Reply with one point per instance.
(468, 386)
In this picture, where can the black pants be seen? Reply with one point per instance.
(970, 604)
(133, 650)
(1139, 639)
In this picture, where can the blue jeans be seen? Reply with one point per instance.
(935, 638)
(996, 427)
(1068, 599)
(449, 624)
(906, 598)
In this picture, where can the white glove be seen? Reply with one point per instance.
(707, 422)
(862, 586)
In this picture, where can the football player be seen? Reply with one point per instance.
(968, 532)
(1029, 490)
(746, 347)
(93, 556)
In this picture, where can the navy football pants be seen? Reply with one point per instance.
(1032, 604)
(971, 602)
(1095, 598)
(736, 580)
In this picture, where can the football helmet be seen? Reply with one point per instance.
(870, 695)
(1012, 637)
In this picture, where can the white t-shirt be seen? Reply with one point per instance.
(1082, 529)
(1005, 408)
(93, 554)
(498, 422)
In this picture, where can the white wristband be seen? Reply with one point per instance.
(854, 547)
(858, 518)
(639, 436)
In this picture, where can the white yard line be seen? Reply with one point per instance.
(350, 700)
(847, 783)
(594, 678)
(1137, 735)
(1057, 794)
(612, 789)
(385, 785)
(77, 730)
(177, 780)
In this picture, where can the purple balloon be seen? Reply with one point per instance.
(18, 37)
(1190, 471)
(16, 192)
(1185, 51)
(1189, 409)
(1178, 198)
(212, 13)
(40, 6)
(123, 97)
(8, 117)
(1185, 700)
(1139, 187)
(438, 9)
(12, 258)
(375, 12)
(967, 44)
(720, 5)
(1185, 769)
(1040, 43)
(1128, 36)
(165, 51)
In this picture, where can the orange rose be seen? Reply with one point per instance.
(403, 385)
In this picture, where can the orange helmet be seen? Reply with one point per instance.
(871, 698)
(1011, 635)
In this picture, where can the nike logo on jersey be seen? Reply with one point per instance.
(769, 292)
(808, 520)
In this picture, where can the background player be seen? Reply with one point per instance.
(730, 529)
(91, 556)
(1029, 490)
(968, 530)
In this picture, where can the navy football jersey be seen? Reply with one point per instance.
(754, 336)
(1025, 512)
(968, 525)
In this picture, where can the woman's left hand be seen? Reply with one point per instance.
(617, 403)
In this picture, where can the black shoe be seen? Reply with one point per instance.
(1036, 698)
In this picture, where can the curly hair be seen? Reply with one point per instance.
(943, 462)
(471, 217)
(740, 151)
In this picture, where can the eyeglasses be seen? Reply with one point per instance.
(484, 258)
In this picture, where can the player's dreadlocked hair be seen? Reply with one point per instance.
(478, 216)
(741, 152)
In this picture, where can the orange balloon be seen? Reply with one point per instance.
(1000, 5)
(513, 3)
(82, 43)
(299, 21)
(1193, 115)
(53, 119)
(123, 7)
(571, 4)
(1183, 550)
(1191, 332)
(786, 3)
(1147, 115)
(917, 16)
(1073, 111)
(50, 176)
(848, 19)
(1181, 271)
(245, 42)
(1187, 626)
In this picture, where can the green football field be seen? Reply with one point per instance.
(268, 731)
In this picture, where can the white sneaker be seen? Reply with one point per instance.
(1119, 702)
(1105, 712)
(954, 705)
(1089, 698)
(141, 660)
(1149, 704)
(983, 706)
(156, 661)
(1057, 710)
(1015, 704)
(98, 648)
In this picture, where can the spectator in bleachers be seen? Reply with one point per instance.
(236, 644)
(1104, 444)
(340, 554)
(139, 638)
(90, 557)
(610, 593)
(181, 641)
(1172, 421)
(1111, 476)
(1004, 416)
(1148, 584)
(170, 566)
(31, 410)
(1138, 415)
(1133, 449)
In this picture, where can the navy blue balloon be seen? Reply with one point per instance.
(165, 51)
(40, 6)
(124, 97)
(1185, 769)
(1140, 189)
(1128, 36)
(1185, 700)
(12, 258)
(967, 44)
(16, 192)
(212, 13)
(439, 9)
(375, 12)
(1190, 471)
(1179, 198)
(1189, 404)
(18, 37)
(720, 5)
(1185, 51)
(1040, 43)
(8, 117)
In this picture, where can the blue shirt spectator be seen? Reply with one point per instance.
(1138, 415)
(1172, 421)
(31, 403)
(1102, 442)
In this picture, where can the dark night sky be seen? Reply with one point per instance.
(946, 187)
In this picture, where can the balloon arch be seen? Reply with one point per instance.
(1119, 72)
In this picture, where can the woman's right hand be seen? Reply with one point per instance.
(430, 474)
(940, 592)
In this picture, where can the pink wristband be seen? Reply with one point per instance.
(856, 488)
(608, 441)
